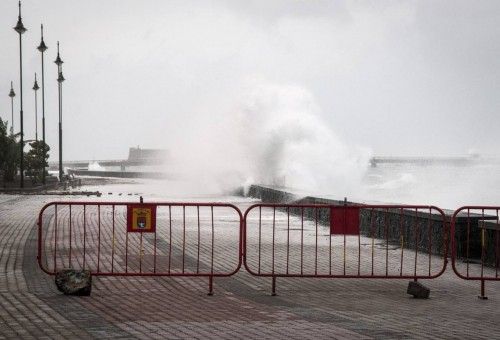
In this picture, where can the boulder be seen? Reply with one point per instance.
(74, 282)
(418, 290)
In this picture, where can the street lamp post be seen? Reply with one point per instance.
(42, 48)
(21, 29)
(60, 80)
(12, 94)
(36, 88)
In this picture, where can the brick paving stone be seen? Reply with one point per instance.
(178, 308)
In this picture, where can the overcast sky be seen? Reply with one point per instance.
(392, 77)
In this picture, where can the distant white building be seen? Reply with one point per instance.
(156, 156)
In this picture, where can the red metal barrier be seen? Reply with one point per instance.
(476, 242)
(94, 236)
(363, 241)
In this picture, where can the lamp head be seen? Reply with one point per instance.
(42, 47)
(61, 78)
(35, 86)
(19, 26)
(58, 60)
(12, 94)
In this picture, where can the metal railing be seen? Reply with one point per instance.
(271, 240)
(476, 240)
(352, 241)
(94, 236)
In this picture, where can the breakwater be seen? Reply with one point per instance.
(427, 231)
(118, 174)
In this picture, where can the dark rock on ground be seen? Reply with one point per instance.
(418, 290)
(74, 282)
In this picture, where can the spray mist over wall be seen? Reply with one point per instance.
(274, 135)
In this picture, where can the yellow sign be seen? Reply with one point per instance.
(141, 218)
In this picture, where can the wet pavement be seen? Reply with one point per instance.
(241, 307)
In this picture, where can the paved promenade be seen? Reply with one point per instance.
(179, 308)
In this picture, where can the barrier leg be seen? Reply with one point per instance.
(482, 296)
(274, 287)
(210, 285)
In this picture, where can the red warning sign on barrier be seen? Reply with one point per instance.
(141, 218)
(344, 220)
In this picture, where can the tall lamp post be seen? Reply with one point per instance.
(12, 94)
(36, 88)
(60, 80)
(21, 29)
(42, 48)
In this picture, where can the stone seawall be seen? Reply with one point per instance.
(423, 229)
(118, 174)
(270, 195)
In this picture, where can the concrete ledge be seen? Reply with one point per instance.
(30, 190)
(427, 223)
(119, 174)
(269, 195)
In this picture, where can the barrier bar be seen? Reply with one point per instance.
(299, 248)
(480, 224)
(96, 236)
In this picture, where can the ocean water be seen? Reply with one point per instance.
(447, 186)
